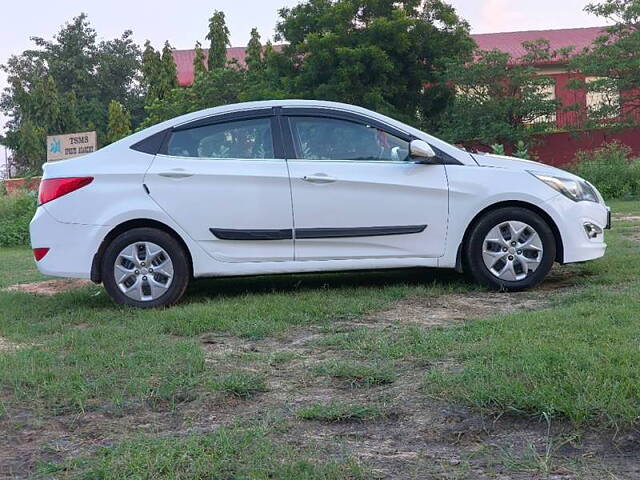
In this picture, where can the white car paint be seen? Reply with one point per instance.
(368, 194)
(271, 194)
(243, 194)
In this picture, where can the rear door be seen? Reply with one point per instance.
(225, 182)
(357, 194)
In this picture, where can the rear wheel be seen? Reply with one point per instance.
(146, 268)
(511, 249)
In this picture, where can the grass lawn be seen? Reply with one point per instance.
(235, 452)
(246, 371)
(579, 359)
(17, 266)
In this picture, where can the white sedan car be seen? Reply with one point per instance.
(303, 186)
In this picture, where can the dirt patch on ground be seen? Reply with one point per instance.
(7, 346)
(626, 218)
(49, 287)
(633, 234)
(226, 350)
(458, 307)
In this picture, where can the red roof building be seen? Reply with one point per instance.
(184, 61)
(557, 148)
(573, 39)
(511, 42)
(576, 39)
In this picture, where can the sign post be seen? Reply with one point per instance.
(61, 147)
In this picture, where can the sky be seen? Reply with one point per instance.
(184, 22)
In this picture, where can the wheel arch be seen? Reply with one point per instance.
(96, 274)
(512, 203)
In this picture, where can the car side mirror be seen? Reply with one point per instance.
(421, 152)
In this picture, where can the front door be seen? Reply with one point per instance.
(222, 182)
(357, 194)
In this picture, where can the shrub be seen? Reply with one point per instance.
(498, 149)
(16, 212)
(611, 169)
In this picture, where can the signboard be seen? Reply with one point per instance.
(61, 147)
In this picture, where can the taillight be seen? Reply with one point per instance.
(52, 188)
(39, 253)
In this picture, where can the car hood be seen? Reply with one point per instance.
(518, 164)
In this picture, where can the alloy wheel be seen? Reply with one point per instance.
(512, 250)
(143, 271)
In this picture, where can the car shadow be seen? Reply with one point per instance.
(207, 288)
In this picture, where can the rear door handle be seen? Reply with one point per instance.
(319, 178)
(176, 173)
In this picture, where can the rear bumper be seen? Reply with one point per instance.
(72, 246)
(571, 217)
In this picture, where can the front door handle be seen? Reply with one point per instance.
(176, 173)
(319, 178)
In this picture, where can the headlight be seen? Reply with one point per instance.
(576, 190)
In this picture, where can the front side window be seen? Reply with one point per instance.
(244, 139)
(319, 138)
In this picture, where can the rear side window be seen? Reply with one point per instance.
(319, 138)
(244, 139)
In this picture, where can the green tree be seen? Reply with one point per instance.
(159, 72)
(119, 122)
(373, 53)
(220, 86)
(614, 59)
(151, 67)
(39, 111)
(95, 72)
(118, 74)
(169, 72)
(219, 37)
(270, 78)
(497, 100)
(28, 144)
(71, 56)
(199, 61)
(254, 51)
(65, 84)
(43, 106)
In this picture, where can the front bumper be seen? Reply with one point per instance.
(71, 245)
(570, 218)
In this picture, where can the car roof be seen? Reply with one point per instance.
(256, 105)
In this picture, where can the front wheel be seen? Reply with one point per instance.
(510, 248)
(145, 268)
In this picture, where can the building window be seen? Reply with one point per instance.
(548, 92)
(603, 103)
(477, 92)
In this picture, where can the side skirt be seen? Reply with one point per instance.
(311, 266)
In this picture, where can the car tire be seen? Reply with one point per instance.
(506, 241)
(145, 268)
